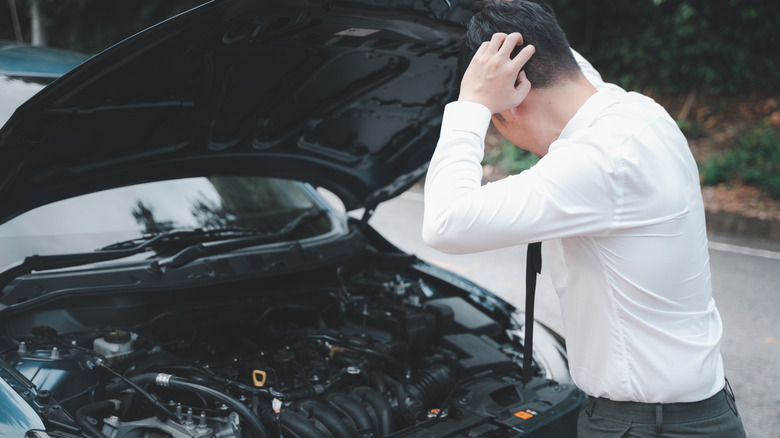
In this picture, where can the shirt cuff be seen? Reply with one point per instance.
(466, 116)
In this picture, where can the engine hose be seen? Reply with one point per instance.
(379, 406)
(162, 409)
(303, 392)
(98, 411)
(431, 384)
(306, 392)
(169, 381)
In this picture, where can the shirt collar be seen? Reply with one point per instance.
(589, 111)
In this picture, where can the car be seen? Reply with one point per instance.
(172, 264)
(25, 70)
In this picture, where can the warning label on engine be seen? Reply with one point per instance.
(526, 414)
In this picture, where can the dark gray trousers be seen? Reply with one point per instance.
(714, 417)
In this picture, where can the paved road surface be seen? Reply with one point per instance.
(746, 283)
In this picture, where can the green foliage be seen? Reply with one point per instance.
(510, 158)
(671, 46)
(755, 160)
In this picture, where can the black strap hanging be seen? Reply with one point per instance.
(533, 266)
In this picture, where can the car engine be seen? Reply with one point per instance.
(364, 357)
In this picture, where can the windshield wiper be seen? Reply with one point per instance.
(239, 237)
(150, 240)
(111, 252)
(199, 250)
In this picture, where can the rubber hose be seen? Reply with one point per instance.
(303, 392)
(102, 409)
(430, 384)
(176, 383)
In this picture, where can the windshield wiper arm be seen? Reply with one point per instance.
(199, 250)
(152, 239)
(244, 237)
(111, 252)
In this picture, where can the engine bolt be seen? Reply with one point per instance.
(189, 421)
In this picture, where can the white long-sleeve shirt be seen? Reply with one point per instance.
(617, 202)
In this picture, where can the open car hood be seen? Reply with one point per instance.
(346, 95)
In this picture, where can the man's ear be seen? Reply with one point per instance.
(524, 107)
(514, 113)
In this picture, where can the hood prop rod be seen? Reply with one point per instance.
(533, 266)
(368, 211)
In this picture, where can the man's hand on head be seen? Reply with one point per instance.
(493, 78)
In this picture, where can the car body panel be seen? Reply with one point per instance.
(346, 95)
(16, 415)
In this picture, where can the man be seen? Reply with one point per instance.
(616, 201)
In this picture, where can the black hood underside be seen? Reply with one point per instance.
(346, 95)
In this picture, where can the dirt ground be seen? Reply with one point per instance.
(712, 124)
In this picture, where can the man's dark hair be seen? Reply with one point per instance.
(552, 61)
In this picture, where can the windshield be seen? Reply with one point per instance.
(96, 220)
(15, 91)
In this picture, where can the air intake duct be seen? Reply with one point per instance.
(430, 386)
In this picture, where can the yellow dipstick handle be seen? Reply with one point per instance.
(258, 376)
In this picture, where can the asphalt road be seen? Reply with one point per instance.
(746, 287)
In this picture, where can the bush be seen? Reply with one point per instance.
(671, 46)
(755, 160)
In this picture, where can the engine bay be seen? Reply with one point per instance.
(361, 355)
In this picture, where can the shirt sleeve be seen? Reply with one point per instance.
(559, 197)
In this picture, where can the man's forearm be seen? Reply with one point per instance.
(454, 174)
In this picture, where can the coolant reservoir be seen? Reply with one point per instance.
(115, 345)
